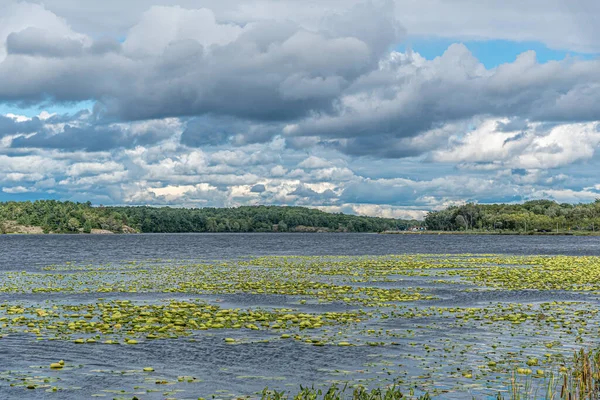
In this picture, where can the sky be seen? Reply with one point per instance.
(386, 108)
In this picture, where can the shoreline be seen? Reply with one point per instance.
(507, 233)
(430, 233)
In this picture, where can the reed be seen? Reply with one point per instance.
(337, 393)
(580, 382)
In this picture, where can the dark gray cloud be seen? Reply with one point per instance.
(515, 138)
(377, 192)
(38, 42)
(304, 191)
(258, 188)
(9, 126)
(376, 26)
(207, 131)
(266, 71)
(215, 131)
(81, 132)
(515, 124)
(105, 45)
(75, 138)
(84, 115)
(379, 146)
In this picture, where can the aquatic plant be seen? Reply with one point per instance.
(334, 392)
(369, 305)
(579, 382)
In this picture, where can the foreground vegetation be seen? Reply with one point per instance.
(580, 382)
(538, 216)
(68, 217)
(511, 336)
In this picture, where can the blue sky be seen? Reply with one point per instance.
(491, 53)
(53, 108)
(388, 108)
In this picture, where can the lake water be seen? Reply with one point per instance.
(226, 371)
(25, 251)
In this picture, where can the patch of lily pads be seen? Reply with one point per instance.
(416, 339)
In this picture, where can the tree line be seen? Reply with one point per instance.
(531, 216)
(73, 217)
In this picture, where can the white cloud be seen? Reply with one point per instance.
(567, 25)
(566, 195)
(535, 147)
(92, 168)
(18, 118)
(373, 210)
(313, 162)
(278, 171)
(161, 27)
(16, 190)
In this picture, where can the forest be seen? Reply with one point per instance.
(531, 216)
(69, 217)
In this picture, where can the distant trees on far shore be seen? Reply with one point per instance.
(531, 216)
(70, 217)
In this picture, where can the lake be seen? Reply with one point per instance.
(432, 319)
(25, 251)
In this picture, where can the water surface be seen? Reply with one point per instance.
(227, 371)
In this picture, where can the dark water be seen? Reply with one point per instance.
(249, 367)
(23, 251)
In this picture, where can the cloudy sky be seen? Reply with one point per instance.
(387, 108)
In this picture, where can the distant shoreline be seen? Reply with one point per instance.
(429, 233)
(108, 233)
(69, 217)
(502, 233)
